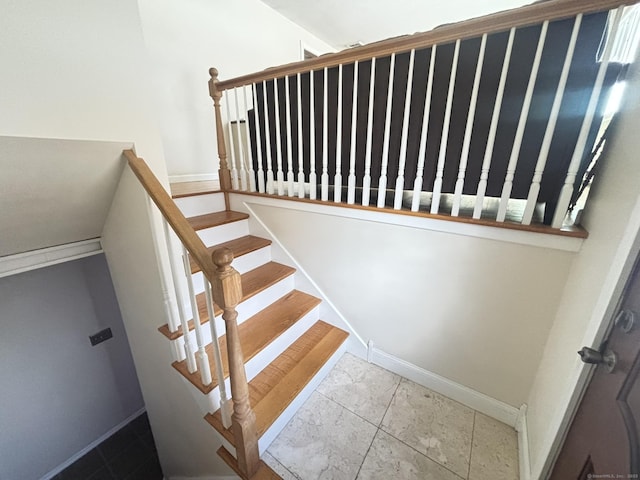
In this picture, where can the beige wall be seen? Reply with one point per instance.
(77, 70)
(187, 37)
(592, 280)
(473, 310)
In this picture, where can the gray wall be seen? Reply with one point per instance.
(58, 393)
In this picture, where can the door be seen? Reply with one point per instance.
(603, 438)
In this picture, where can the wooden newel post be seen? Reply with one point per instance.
(227, 293)
(223, 171)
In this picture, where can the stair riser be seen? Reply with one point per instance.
(254, 366)
(242, 264)
(201, 204)
(249, 307)
(224, 233)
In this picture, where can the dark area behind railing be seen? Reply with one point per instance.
(584, 68)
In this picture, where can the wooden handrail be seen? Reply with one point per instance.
(227, 294)
(493, 23)
(171, 213)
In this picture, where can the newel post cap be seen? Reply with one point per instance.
(227, 288)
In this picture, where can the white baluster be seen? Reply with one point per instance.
(261, 182)
(280, 173)
(397, 201)
(466, 143)
(267, 136)
(337, 180)
(366, 180)
(250, 172)
(522, 122)
(232, 148)
(351, 182)
(486, 163)
(180, 298)
(324, 178)
(289, 152)
(170, 305)
(581, 143)
(313, 180)
(300, 140)
(201, 354)
(442, 154)
(226, 406)
(422, 153)
(534, 190)
(382, 183)
(242, 172)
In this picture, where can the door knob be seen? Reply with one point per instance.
(608, 358)
(626, 320)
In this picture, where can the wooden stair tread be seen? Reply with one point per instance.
(273, 389)
(239, 246)
(255, 333)
(253, 282)
(264, 471)
(208, 220)
(188, 189)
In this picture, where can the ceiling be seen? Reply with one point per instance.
(54, 192)
(343, 23)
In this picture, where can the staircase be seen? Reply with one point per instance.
(287, 348)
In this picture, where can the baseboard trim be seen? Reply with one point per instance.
(92, 445)
(524, 459)
(471, 398)
(208, 477)
(196, 177)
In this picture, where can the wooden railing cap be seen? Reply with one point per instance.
(531, 14)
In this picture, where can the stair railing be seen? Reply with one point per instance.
(222, 287)
(322, 116)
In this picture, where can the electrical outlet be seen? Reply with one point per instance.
(101, 336)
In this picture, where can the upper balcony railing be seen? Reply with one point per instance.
(493, 119)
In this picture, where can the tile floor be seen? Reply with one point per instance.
(129, 454)
(364, 422)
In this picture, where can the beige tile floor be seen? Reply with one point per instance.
(364, 422)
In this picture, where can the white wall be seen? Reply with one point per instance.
(79, 70)
(187, 37)
(60, 393)
(186, 443)
(473, 310)
(73, 69)
(592, 280)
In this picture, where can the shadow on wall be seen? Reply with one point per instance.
(65, 394)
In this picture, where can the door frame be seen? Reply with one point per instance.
(598, 327)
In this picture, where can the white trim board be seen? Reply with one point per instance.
(478, 401)
(93, 444)
(45, 257)
(196, 177)
(524, 459)
(544, 240)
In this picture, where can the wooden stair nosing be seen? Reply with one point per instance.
(286, 376)
(256, 333)
(239, 246)
(208, 220)
(253, 282)
(264, 471)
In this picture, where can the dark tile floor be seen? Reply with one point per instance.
(129, 454)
